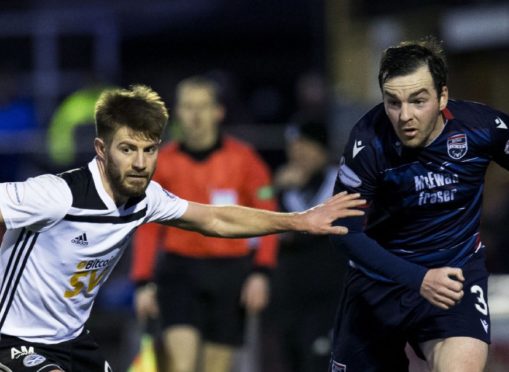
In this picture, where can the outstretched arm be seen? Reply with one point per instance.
(243, 222)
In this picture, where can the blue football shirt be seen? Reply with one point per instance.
(424, 205)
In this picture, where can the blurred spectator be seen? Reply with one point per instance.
(307, 282)
(17, 113)
(204, 285)
(17, 119)
(317, 103)
(312, 99)
(495, 219)
(230, 97)
(72, 129)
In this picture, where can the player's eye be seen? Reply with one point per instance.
(151, 149)
(125, 149)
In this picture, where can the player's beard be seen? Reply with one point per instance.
(120, 182)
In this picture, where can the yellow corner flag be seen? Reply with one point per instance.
(146, 360)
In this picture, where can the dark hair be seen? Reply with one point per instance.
(312, 130)
(199, 81)
(138, 108)
(408, 56)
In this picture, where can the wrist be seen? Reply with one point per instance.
(298, 222)
(420, 274)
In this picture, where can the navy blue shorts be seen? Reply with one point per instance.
(375, 320)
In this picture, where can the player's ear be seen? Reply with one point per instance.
(100, 148)
(220, 113)
(444, 97)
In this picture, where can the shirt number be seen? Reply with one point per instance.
(481, 306)
(84, 281)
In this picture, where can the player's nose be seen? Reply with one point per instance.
(404, 113)
(140, 161)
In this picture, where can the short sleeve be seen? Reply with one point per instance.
(37, 203)
(163, 205)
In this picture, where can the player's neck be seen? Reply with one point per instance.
(437, 130)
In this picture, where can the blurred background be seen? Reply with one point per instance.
(277, 61)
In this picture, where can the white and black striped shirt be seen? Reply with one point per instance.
(64, 236)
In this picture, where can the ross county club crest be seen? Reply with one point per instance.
(457, 146)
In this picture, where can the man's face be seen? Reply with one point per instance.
(199, 114)
(413, 107)
(130, 161)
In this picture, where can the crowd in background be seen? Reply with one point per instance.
(305, 286)
(294, 118)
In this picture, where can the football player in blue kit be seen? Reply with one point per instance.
(417, 272)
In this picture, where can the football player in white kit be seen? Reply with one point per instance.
(66, 232)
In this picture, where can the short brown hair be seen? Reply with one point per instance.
(139, 108)
(408, 56)
(199, 81)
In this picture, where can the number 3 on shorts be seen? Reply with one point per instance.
(481, 306)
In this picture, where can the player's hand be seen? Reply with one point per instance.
(443, 287)
(255, 293)
(145, 303)
(319, 219)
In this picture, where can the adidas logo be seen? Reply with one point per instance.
(81, 240)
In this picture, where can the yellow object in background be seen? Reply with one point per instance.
(77, 109)
(146, 360)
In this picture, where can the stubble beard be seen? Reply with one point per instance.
(119, 185)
